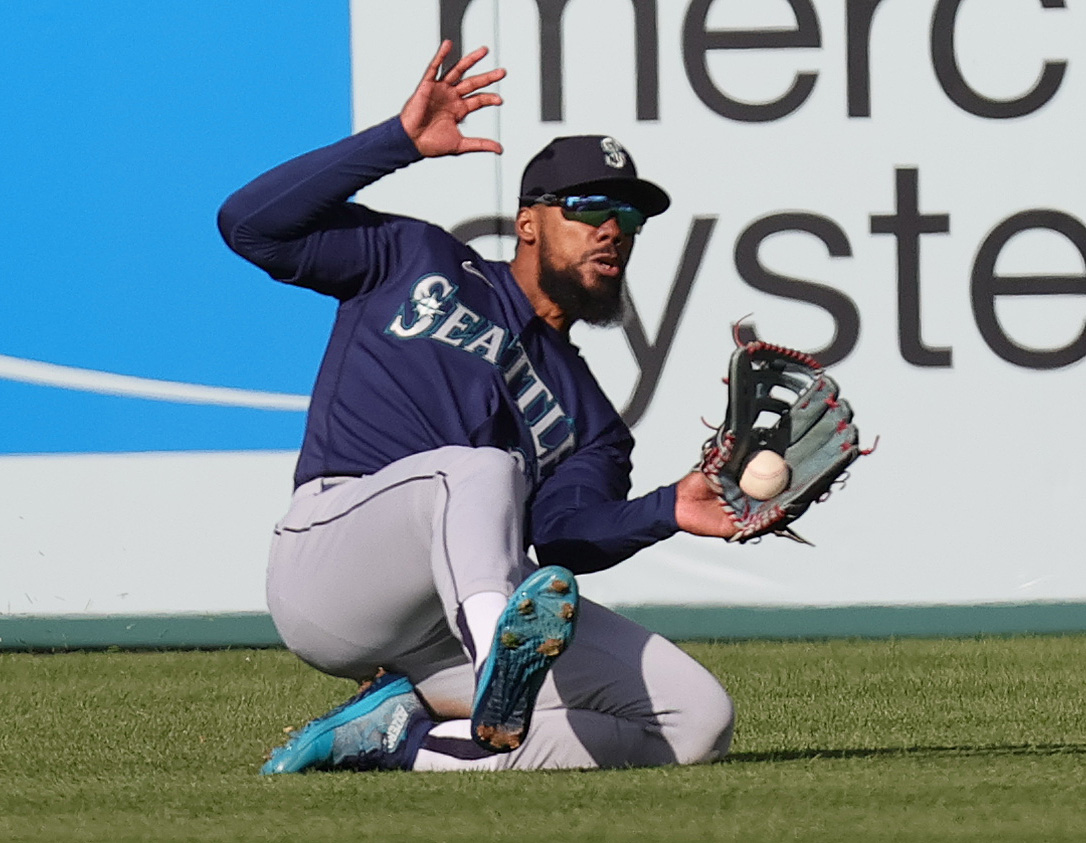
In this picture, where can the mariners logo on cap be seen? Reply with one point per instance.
(613, 153)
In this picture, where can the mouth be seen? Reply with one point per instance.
(606, 264)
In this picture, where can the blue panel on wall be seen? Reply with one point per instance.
(125, 126)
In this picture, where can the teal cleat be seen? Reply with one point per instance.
(536, 627)
(379, 728)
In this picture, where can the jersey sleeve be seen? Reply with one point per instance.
(295, 221)
(581, 517)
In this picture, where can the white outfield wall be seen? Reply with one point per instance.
(896, 186)
(788, 212)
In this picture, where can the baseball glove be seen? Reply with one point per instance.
(780, 400)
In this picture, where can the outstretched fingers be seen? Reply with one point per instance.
(432, 114)
(473, 83)
(480, 145)
(481, 101)
(434, 68)
(457, 71)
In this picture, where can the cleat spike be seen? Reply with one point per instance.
(551, 647)
(507, 741)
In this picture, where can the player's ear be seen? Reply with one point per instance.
(526, 226)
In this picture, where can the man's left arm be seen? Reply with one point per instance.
(582, 519)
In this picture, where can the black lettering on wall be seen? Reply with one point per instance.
(907, 224)
(859, 14)
(841, 308)
(947, 70)
(651, 357)
(698, 41)
(986, 285)
(551, 78)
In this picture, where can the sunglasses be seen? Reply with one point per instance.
(596, 210)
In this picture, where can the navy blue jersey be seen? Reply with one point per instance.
(434, 345)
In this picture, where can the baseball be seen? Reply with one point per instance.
(766, 475)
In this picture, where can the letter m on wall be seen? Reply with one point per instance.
(551, 81)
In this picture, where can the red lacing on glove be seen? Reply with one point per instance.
(799, 356)
(760, 345)
(715, 454)
(763, 520)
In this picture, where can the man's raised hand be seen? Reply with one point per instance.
(432, 116)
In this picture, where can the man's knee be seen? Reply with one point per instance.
(705, 723)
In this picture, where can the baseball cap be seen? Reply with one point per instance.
(590, 164)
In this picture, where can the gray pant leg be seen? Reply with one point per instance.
(619, 696)
(370, 572)
(624, 696)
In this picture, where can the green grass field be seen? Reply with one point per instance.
(916, 740)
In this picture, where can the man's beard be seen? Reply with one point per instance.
(602, 304)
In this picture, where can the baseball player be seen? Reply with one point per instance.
(453, 427)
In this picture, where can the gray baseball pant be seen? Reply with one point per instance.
(369, 572)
